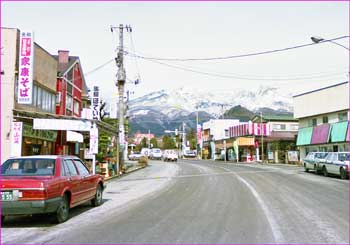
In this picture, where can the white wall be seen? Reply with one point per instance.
(328, 100)
(9, 56)
(217, 127)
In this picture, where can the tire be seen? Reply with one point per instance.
(97, 201)
(62, 213)
(2, 219)
(316, 169)
(343, 174)
(325, 172)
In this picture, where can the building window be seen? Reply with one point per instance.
(313, 121)
(279, 127)
(325, 119)
(76, 107)
(342, 116)
(69, 102)
(226, 133)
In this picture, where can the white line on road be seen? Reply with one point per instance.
(277, 234)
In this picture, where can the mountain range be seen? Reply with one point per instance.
(167, 109)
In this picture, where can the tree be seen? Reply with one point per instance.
(154, 143)
(168, 142)
(191, 137)
(144, 142)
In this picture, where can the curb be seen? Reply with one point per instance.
(125, 174)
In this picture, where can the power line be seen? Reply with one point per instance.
(239, 77)
(235, 56)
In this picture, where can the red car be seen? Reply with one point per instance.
(47, 184)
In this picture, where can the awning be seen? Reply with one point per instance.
(320, 134)
(245, 141)
(338, 131)
(304, 136)
(74, 137)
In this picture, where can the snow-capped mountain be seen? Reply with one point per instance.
(183, 101)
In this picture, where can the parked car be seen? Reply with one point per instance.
(47, 184)
(145, 152)
(156, 153)
(312, 160)
(170, 155)
(336, 163)
(135, 156)
(189, 154)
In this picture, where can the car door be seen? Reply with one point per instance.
(88, 184)
(74, 181)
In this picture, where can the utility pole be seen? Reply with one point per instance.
(183, 138)
(120, 84)
(262, 138)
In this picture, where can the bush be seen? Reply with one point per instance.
(143, 161)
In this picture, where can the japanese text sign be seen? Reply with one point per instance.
(16, 139)
(25, 71)
(96, 103)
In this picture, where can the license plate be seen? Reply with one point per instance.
(6, 196)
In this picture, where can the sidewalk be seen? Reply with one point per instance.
(134, 167)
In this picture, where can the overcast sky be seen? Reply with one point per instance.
(194, 30)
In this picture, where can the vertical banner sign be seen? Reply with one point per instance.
(96, 103)
(199, 134)
(25, 71)
(16, 139)
(94, 140)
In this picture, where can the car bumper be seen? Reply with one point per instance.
(30, 207)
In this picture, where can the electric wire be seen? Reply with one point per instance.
(237, 56)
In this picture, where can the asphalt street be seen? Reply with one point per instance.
(204, 202)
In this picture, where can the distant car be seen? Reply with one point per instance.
(336, 163)
(170, 155)
(145, 152)
(156, 153)
(312, 161)
(135, 156)
(47, 184)
(189, 154)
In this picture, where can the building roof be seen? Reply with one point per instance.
(316, 90)
(276, 118)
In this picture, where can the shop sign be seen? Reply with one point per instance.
(96, 103)
(94, 140)
(16, 139)
(293, 156)
(25, 71)
(48, 135)
(199, 133)
(270, 155)
(61, 124)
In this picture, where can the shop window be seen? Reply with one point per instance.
(53, 103)
(39, 97)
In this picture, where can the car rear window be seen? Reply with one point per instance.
(28, 167)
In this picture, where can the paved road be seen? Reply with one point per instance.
(206, 202)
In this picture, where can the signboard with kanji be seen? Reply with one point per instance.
(25, 71)
(96, 103)
(16, 139)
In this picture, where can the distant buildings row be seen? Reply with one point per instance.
(320, 123)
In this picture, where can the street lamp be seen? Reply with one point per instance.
(320, 40)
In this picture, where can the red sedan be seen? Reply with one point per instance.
(47, 184)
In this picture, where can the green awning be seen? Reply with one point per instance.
(304, 136)
(338, 131)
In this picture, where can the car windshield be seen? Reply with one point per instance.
(344, 156)
(28, 167)
(321, 155)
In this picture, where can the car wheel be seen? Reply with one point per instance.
(2, 219)
(343, 174)
(316, 169)
(97, 201)
(62, 213)
(325, 172)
